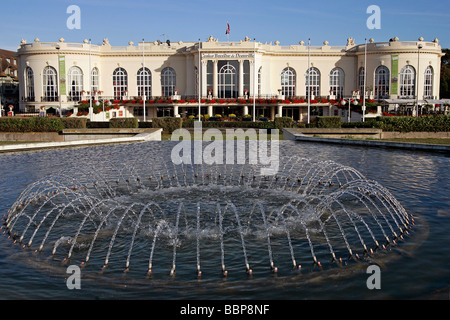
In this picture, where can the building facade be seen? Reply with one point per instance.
(167, 78)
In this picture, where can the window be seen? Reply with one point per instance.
(120, 83)
(29, 84)
(381, 83)
(50, 84)
(227, 81)
(288, 82)
(168, 82)
(337, 82)
(144, 82)
(428, 83)
(75, 80)
(313, 82)
(361, 80)
(407, 82)
(94, 81)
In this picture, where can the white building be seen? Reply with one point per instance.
(56, 75)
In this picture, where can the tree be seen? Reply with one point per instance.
(445, 74)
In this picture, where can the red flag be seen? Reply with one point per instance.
(228, 29)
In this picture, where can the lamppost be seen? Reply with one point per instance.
(365, 76)
(144, 77)
(419, 46)
(254, 80)
(59, 80)
(199, 83)
(90, 84)
(309, 79)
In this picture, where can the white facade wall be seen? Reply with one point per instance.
(183, 58)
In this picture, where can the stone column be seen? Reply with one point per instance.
(215, 78)
(272, 113)
(245, 110)
(203, 78)
(210, 111)
(175, 111)
(280, 111)
(241, 78)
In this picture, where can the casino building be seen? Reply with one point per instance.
(154, 79)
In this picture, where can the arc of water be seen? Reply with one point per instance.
(82, 225)
(98, 230)
(147, 206)
(221, 233)
(53, 223)
(288, 235)
(241, 235)
(129, 208)
(198, 237)
(289, 205)
(269, 247)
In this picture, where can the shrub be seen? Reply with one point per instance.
(283, 122)
(418, 124)
(328, 122)
(124, 123)
(168, 124)
(74, 123)
(34, 124)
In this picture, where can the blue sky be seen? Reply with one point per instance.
(288, 21)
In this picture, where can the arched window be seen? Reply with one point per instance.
(407, 82)
(361, 81)
(29, 84)
(337, 82)
(94, 81)
(288, 82)
(120, 83)
(144, 82)
(381, 82)
(227, 81)
(75, 81)
(313, 82)
(50, 84)
(428, 83)
(168, 82)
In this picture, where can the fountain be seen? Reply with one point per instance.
(158, 219)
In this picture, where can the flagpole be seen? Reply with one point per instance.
(309, 79)
(365, 73)
(199, 83)
(144, 78)
(90, 83)
(254, 81)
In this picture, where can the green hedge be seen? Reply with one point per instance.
(124, 123)
(283, 122)
(417, 124)
(34, 124)
(168, 124)
(328, 122)
(74, 123)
